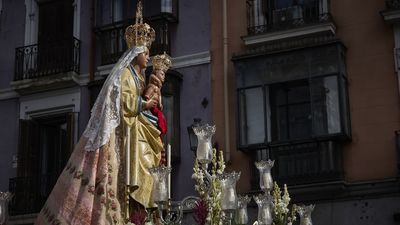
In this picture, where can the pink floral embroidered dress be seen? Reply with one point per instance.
(91, 189)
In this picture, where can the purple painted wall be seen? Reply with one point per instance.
(12, 32)
(9, 114)
(195, 87)
(192, 34)
(85, 32)
(84, 114)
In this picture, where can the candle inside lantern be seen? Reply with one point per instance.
(160, 183)
(204, 151)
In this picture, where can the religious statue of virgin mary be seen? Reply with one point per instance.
(108, 169)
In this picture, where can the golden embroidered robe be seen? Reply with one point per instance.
(91, 188)
(141, 137)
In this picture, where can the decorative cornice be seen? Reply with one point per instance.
(8, 93)
(196, 59)
(286, 45)
(342, 190)
(391, 16)
(290, 33)
(47, 83)
(81, 79)
(191, 60)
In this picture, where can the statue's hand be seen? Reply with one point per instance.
(149, 103)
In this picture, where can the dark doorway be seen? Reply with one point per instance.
(55, 36)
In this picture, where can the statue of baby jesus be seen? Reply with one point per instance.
(161, 63)
(153, 90)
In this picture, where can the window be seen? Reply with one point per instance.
(271, 15)
(292, 110)
(292, 107)
(45, 146)
(171, 108)
(292, 96)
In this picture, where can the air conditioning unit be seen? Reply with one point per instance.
(290, 15)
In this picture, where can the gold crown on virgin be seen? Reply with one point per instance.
(139, 34)
(162, 62)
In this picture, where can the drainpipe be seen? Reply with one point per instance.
(396, 52)
(225, 73)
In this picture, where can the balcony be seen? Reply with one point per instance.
(266, 23)
(303, 163)
(42, 60)
(30, 193)
(392, 12)
(112, 40)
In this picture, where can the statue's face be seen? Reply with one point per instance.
(143, 59)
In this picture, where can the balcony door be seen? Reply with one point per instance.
(55, 36)
(45, 146)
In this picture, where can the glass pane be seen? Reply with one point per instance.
(299, 93)
(166, 6)
(326, 111)
(291, 110)
(282, 120)
(168, 110)
(344, 106)
(299, 121)
(252, 116)
(258, 12)
(279, 4)
(324, 61)
(117, 10)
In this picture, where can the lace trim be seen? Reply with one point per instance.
(105, 114)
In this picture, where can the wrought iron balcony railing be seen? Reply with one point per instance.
(30, 193)
(40, 60)
(263, 19)
(112, 41)
(304, 162)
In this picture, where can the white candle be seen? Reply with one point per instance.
(169, 165)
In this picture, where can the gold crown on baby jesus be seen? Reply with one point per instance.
(162, 62)
(139, 34)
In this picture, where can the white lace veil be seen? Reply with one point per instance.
(105, 114)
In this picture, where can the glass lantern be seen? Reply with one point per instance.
(160, 184)
(228, 190)
(264, 203)
(204, 151)
(264, 167)
(241, 212)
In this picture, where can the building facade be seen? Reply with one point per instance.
(56, 56)
(313, 86)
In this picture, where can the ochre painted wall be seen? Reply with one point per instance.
(373, 91)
